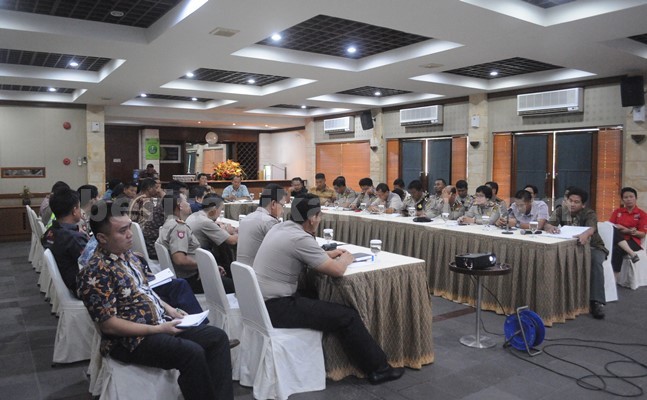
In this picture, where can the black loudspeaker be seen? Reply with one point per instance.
(367, 120)
(632, 92)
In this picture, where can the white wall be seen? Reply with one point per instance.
(35, 137)
(284, 148)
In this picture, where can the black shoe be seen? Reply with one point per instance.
(385, 374)
(233, 343)
(596, 310)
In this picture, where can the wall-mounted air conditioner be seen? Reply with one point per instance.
(552, 102)
(430, 115)
(339, 125)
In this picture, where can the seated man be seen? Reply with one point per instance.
(149, 172)
(399, 184)
(136, 326)
(418, 199)
(146, 210)
(236, 191)
(197, 194)
(178, 238)
(252, 229)
(203, 182)
(466, 199)
(524, 210)
(451, 204)
(391, 201)
(290, 247)
(532, 189)
(112, 184)
(297, 187)
(88, 196)
(45, 211)
(326, 194)
(483, 205)
(367, 195)
(212, 237)
(495, 192)
(583, 216)
(64, 238)
(345, 195)
(125, 192)
(435, 202)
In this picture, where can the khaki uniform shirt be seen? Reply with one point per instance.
(206, 230)
(177, 236)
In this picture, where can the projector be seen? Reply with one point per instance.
(475, 260)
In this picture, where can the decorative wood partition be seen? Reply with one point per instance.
(351, 160)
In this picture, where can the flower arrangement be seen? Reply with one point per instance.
(227, 170)
(26, 195)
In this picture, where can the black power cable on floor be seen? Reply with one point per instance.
(585, 381)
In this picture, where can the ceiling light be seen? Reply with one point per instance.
(351, 49)
(52, 89)
(73, 64)
(304, 106)
(267, 126)
(276, 37)
(194, 99)
(116, 13)
(494, 73)
(189, 75)
(143, 95)
(377, 93)
(251, 81)
(234, 124)
(199, 122)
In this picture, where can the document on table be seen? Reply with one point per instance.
(161, 278)
(568, 231)
(359, 257)
(193, 319)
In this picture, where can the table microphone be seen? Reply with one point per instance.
(507, 230)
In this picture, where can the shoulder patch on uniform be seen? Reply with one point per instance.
(180, 234)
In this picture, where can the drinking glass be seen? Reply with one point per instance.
(412, 211)
(486, 222)
(328, 234)
(534, 226)
(251, 196)
(222, 215)
(380, 209)
(445, 216)
(362, 206)
(376, 246)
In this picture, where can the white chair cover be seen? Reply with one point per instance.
(75, 329)
(114, 380)
(139, 246)
(224, 312)
(34, 237)
(164, 257)
(605, 229)
(276, 362)
(634, 275)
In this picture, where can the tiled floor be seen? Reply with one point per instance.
(27, 332)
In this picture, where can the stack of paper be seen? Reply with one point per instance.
(161, 278)
(193, 319)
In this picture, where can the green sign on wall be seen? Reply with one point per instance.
(152, 149)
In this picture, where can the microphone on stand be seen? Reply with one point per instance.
(507, 230)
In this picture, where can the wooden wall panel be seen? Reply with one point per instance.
(502, 164)
(122, 144)
(392, 161)
(351, 160)
(356, 163)
(459, 158)
(609, 172)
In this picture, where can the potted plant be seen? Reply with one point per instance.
(26, 195)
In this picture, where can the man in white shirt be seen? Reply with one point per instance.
(236, 191)
(524, 210)
(254, 227)
(391, 201)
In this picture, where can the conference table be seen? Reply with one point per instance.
(392, 298)
(550, 275)
(236, 208)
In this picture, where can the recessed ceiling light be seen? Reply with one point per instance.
(251, 81)
(276, 37)
(377, 93)
(304, 106)
(234, 124)
(199, 122)
(267, 126)
(194, 99)
(73, 64)
(116, 13)
(52, 89)
(143, 95)
(189, 75)
(494, 73)
(351, 49)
